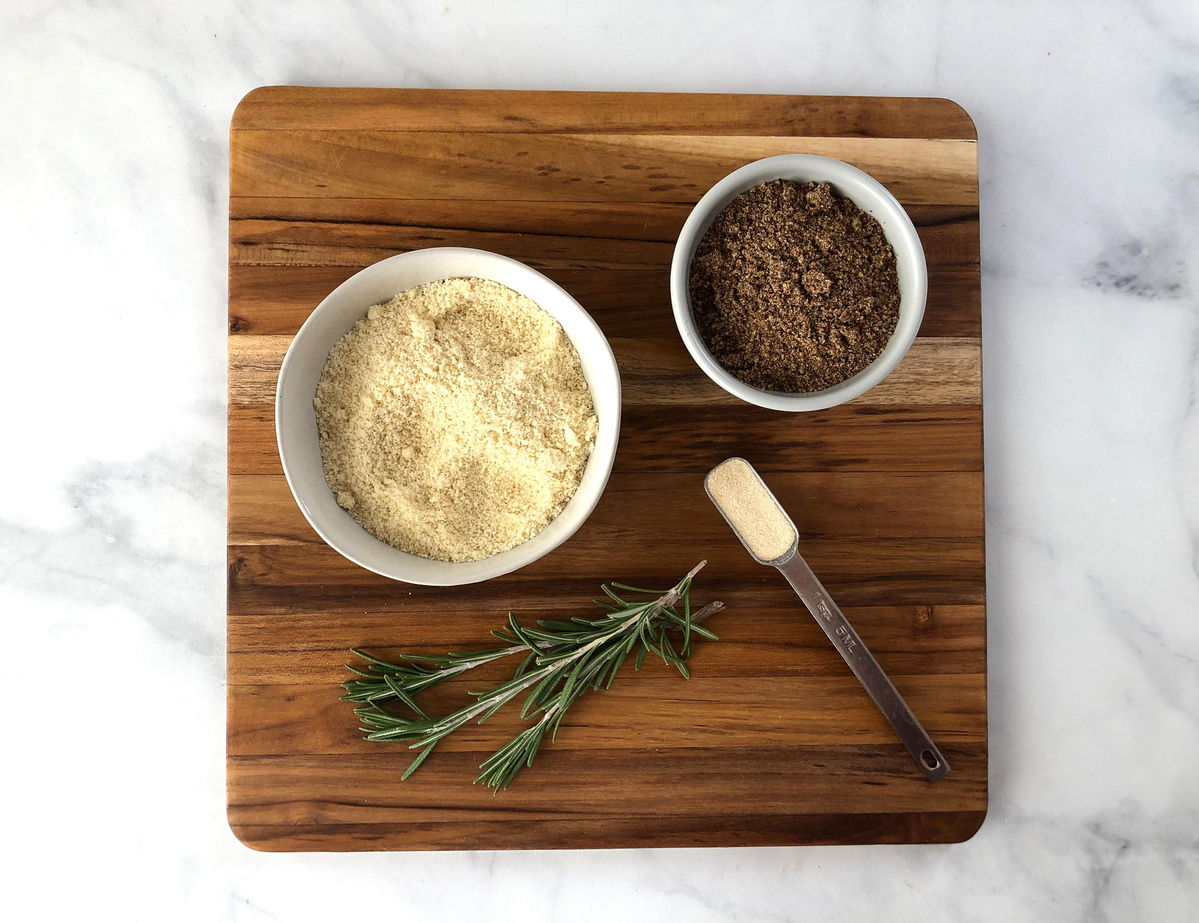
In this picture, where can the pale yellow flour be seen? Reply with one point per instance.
(455, 422)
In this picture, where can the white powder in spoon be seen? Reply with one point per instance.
(751, 509)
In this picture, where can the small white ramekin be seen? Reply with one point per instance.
(299, 440)
(870, 196)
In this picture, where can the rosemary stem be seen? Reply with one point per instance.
(565, 660)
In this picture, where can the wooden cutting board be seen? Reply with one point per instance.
(772, 741)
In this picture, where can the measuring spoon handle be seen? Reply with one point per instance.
(829, 616)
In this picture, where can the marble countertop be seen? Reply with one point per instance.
(113, 183)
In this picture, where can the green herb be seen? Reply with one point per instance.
(562, 661)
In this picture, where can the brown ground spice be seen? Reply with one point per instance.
(794, 287)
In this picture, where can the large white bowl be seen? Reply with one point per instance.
(299, 441)
(870, 196)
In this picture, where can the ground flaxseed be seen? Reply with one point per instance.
(794, 288)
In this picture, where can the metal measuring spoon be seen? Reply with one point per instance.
(769, 535)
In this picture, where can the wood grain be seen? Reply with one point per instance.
(480, 111)
(614, 832)
(343, 788)
(283, 719)
(653, 371)
(827, 504)
(754, 641)
(855, 437)
(902, 571)
(287, 254)
(772, 741)
(274, 300)
(574, 168)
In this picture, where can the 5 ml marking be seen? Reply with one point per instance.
(842, 631)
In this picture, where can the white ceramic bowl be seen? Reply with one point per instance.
(299, 441)
(870, 196)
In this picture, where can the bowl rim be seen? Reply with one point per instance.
(813, 168)
(580, 507)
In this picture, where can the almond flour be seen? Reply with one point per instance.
(455, 421)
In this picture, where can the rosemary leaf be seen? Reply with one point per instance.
(564, 659)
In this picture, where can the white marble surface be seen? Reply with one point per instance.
(113, 184)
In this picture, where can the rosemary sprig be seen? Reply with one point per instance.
(563, 659)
